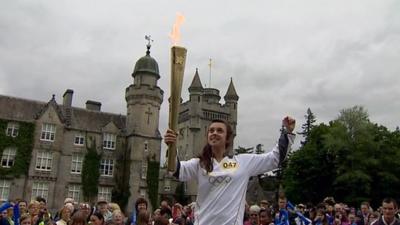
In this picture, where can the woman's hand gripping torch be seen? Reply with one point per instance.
(178, 59)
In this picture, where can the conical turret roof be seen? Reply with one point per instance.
(196, 83)
(231, 92)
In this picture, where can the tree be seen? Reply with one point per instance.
(180, 194)
(307, 126)
(350, 158)
(242, 150)
(90, 171)
(120, 192)
(309, 173)
(259, 149)
(354, 119)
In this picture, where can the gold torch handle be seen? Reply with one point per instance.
(178, 59)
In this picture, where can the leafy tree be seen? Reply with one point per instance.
(309, 172)
(307, 126)
(350, 158)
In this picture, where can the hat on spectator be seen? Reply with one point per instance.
(102, 200)
(68, 200)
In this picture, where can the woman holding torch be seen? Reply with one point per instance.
(222, 179)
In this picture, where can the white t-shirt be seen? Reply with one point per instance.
(222, 193)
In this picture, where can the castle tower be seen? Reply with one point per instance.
(231, 98)
(143, 99)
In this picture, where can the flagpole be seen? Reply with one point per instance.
(209, 81)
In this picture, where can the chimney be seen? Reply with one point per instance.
(67, 98)
(92, 105)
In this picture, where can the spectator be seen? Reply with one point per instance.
(97, 218)
(118, 217)
(143, 218)
(389, 207)
(33, 209)
(264, 204)
(86, 210)
(166, 209)
(23, 207)
(25, 219)
(102, 207)
(365, 212)
(113, 206)
(254, 211)
(161, 221)
(321, 218)
(265, 216)
(65, 216)
(78, 219)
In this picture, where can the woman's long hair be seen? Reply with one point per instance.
(206, 155)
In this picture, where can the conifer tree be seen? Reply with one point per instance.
(307, 126)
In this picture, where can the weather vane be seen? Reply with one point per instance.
(148, 38)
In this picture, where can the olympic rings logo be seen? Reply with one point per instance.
(217, 180)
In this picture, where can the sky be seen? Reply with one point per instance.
(284, 56)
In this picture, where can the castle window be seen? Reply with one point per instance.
(142, 193)
(106, 167)
(76, 163)
(40, 189)
(146, 146)
(48, 132)
(109, 141)
(4, 190)
(12, 129)
(79, 139)
(104, 192)
(74, 192)
(144, 170)
(167, 185)
(8, 157)
(44, 161)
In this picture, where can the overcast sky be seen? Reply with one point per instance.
(283, 56)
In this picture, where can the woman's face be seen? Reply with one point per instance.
(142, 207)
(118, 218)
(217, 133)
(34, 209)
(66, 215)
(95, 220)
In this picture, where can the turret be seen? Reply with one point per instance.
(231, 98)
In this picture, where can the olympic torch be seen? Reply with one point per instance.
(178, 59)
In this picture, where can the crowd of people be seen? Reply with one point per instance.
(328, 212)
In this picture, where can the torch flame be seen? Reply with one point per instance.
(175, 35)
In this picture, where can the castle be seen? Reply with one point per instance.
(43, 144)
